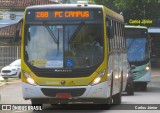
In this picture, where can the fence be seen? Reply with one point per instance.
(8, 54)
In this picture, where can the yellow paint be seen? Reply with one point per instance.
(143, 21)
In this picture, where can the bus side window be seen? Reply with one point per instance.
(109, 27)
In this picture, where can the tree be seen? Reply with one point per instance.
(134, 9)
(101, 2)
(108, 3)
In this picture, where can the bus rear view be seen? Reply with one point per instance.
(138, 52)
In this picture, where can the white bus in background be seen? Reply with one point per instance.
(154, 33)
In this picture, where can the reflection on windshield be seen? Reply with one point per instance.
(83, 50)
(137, 49)
(42, 49)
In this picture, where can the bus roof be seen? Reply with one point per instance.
(132, 26)
(108, 11)
(113, 14)
(63, 6)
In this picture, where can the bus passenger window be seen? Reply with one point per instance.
(109, 27)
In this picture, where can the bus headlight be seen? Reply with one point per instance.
(147, 68)
(98, 79)
(29, 79)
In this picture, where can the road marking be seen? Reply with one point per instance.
(156, 75)
(19, 111)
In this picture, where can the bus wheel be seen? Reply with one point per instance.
(130, 90)
(117, 98)
(19, 76)
(105, 106)
(144, 87)
(36, 102)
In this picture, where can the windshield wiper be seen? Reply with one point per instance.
(53, 36)
(58, 43)
(51, 33)
(76, 32)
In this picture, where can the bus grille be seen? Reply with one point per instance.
(52, 92)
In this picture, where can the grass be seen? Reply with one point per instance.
(2, 80)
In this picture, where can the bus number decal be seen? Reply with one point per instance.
(41, 14)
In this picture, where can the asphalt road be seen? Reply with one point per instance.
(12, 94)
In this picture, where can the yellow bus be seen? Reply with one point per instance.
(73, 53)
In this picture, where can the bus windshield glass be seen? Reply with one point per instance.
(64, 45)
(137, 45)
(136, 49)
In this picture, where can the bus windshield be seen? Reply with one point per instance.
(64, 45)
(137, 49)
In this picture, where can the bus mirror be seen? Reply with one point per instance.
(87, 61)
(133, 66)
(19, 23)
(16, 36)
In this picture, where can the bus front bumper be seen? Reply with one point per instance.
(82, 93)
(146, 77)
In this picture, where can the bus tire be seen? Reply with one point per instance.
(144, 87)
(36, 102)
(131, 92)
(19, 76)
(105, 106)
(111, 91)
(117, 98)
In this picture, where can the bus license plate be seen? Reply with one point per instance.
(63, 95)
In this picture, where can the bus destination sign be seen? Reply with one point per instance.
(64, 14)
(61, 15)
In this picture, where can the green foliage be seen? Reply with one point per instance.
(134, 9)
(108, 3)
(101, 2)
